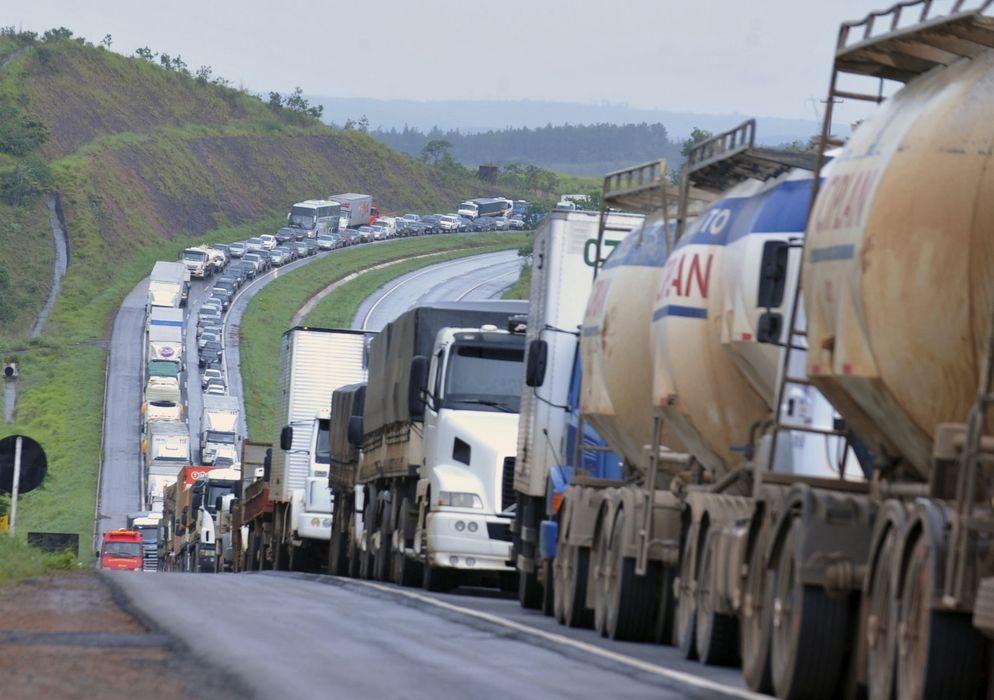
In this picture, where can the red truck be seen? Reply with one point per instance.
(122, 550)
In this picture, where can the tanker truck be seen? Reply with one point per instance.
(438, 434)
(830, 516)
(565, 254)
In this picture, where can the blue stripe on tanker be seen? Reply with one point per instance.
(681, 311)
(177, 324)
(781, 209)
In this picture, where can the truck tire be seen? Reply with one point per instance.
(548, 602)
(717, 633)
(756, 619)
(630, 598)
(438, 579)
(382, 559)
(252, 554)
(686, 601)
(575, 572)
(405, 571)
(529, 590)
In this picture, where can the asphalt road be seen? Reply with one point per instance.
(290, 636)
(120, 481)
(474, 278)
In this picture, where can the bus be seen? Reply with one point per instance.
(318, 215)
(122, 551)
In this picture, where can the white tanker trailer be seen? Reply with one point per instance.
(828, 574)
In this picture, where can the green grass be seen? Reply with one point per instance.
(271, 311)
(86, 307)
(521, 289)
(26, 234)
(59, 404)
(19, 561)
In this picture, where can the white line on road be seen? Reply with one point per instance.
(484, 283)
(678, 676)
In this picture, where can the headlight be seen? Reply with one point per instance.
(459, 499)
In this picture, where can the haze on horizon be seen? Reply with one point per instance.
(767, 58)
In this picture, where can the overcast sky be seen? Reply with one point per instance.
(761, 57)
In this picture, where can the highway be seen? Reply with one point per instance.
(362, 638)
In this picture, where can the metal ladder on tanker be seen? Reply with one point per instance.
(913, 41)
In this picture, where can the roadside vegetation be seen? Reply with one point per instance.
(271, 311)
(19, 561)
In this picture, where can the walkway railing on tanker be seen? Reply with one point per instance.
(897, 44)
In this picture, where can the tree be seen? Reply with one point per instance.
(275, 100)
(696, 136)
(363, 124)
(349, 124)
(107, 41)
(54, 34)
(146, 53)
(435, 150)
(204, 74)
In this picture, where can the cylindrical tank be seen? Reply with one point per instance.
(712, 380)
(616, 386)
(899, 262)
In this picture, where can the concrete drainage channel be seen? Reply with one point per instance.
(61, 245)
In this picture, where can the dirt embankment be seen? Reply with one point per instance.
(69, 637)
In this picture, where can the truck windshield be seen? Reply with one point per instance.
(150, 533)
(194, 255)
(322, 452)
(213, 492)
(487, 378)
(215, 436)
(122, 549)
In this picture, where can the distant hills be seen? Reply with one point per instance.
(573, 138)
(470, 117)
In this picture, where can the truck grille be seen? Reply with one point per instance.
(151, 561)
(507, 498)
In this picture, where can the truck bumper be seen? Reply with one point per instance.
(466, 541)
(314, 526)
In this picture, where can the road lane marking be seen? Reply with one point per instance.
(645, 666)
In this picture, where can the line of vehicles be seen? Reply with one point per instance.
(746, 416)
(755, 429)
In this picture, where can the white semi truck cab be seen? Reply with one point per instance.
(470, 399)
(311, 506)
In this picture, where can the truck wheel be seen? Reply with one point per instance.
(602, 569)
(880, 600)
(405, 571)
(717, 633)
(381, 565)
(630, 598)
(338, 560)
(686, 601)
(756, 619)
(941, 653)
(575, 570)
(548, 604)
(809, 632)
(438, 579)
(252, 557)
(529, 590)
(665, 605)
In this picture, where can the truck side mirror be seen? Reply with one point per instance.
(355, 431)
(770, 328)
(267, 464)
(538, 359)
(417, 386)
(218, 502)
(773, 274)
(286, 438)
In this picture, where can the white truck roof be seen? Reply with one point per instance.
(313, 363)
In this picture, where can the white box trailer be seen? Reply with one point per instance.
(355, 209)
(166, 284)
(219, 428)
(164, 335)
(313, 363)
(565, 253)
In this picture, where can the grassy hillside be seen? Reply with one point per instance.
(146, 160)
(141, 155)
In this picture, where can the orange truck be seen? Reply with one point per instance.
(122, 550)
